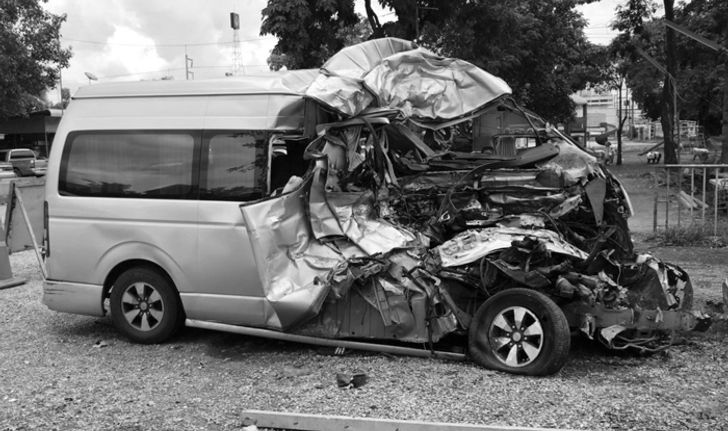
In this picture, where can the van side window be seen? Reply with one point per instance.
(129, 164)
(235, 166)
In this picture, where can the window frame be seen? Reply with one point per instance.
(207, 136)
(194, 174)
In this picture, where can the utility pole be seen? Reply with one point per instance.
(188, 66)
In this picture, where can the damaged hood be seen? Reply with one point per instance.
(472, 245)
(392, 73)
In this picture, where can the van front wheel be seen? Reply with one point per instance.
(520, 331)
(145, 306)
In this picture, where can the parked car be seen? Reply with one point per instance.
(369, 231)
(23, 162)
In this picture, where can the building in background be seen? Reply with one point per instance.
(35, 131)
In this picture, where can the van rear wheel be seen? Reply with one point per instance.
(145, 306)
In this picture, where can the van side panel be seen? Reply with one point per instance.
(201, 244)
(90, 236)
(227, 268)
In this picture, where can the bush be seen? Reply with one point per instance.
(693, 235)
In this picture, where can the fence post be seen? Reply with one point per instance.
(715, 203)
(667, 197)
(677, 195)
(657, 198)
(705, 198)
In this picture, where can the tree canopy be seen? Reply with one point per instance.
(308, 31)
(31, 56)
(537, 46)
(700, 73)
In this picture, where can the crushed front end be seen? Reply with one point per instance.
(409, 230)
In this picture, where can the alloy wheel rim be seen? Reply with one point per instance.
(142, 306)
(516, 336)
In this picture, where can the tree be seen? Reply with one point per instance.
(31, 55)
(308, 31)
(700, 73)
(667, 117)
(537, 46)
(635, 38)
(615, 80)
(65, 99)
(707, 72)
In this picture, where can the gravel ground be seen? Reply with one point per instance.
(60, 371)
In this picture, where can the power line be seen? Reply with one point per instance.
(175, 45)
(170, 69)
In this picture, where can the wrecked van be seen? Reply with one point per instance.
(392, 201)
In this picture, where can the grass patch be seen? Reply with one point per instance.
(692, 235)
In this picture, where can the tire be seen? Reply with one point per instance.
(539, 345)
(145, 306)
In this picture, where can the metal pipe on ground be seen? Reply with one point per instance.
(327, 342)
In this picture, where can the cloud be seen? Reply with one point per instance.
(131, 52)
(599, 16)
(143, 39)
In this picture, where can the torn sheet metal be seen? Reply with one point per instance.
(596, 191)
(343, 95)
(390, 73)
(471, 245)
(424, 85)
(575, 165)
(291, 264)
(355, 61)
(339, 85)
(324, 223)
(360, 224)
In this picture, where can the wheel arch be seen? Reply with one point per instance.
(126, 255)
(122, 267)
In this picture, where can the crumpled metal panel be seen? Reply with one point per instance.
(324, 222)
(356, 61)
(291, 263)
(471, 245)
(343, 95)
(389, 73)
(424, 85)
(356, 217)
(574, 164)
(339, 85)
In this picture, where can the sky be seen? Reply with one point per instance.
(115, 40)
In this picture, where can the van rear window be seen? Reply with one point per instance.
(21, 154)
(129, 164)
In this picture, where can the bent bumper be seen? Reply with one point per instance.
(73, 298)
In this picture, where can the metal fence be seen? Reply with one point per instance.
(700, 193)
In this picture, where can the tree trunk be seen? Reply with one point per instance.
(373, 21)
(724, 146)
(619, 125)
(668, 95)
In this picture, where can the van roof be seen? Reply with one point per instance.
(292, 82)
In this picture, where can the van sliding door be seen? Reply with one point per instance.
(234, 169)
